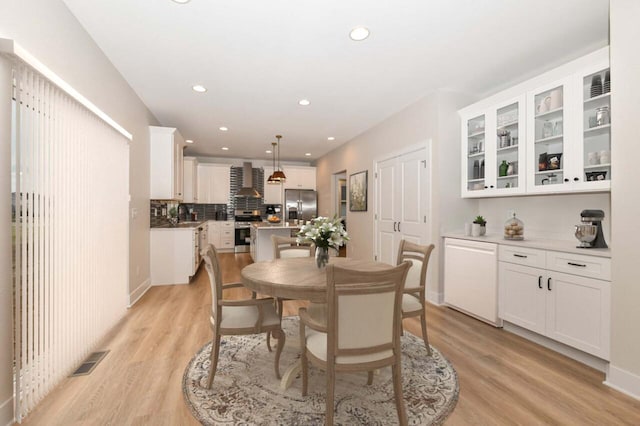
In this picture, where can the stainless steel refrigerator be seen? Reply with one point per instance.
(300, 204)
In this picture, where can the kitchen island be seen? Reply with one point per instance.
(261, 232)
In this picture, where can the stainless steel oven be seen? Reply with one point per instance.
(243, 219)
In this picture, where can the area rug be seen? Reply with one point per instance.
(245, 390)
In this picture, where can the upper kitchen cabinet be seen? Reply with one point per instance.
(214, 183)
(272, 191)
(492, 155)
(299, 177)
(166, 163)
(190, 182)
(550, 134)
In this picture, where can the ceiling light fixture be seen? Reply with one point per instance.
(224, 129)
(199, 88)
(359, 33)
(269, 152)
(331, 138)
(224, 148)
(308, 154)
(188, 141)
(304, 102)
(182, 1)
(278, 174)
(271, 179)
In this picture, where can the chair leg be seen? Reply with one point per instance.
(331, 381)
(269, 341)
(215, 351)
(397, 388)
(303, 359)
(279, 334)
(425, 337)
(370, 378)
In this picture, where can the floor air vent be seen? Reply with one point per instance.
(89, 364)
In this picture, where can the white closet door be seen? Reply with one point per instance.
(402, 201)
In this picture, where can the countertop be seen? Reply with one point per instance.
(535, 243)
(180, 225)
(267, 225)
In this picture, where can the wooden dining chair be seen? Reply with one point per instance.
(286, 247)
(237, 317)
(413, 299)
(362, 332)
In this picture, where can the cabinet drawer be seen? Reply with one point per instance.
(226, 224)
(227, 233)
(522, 256)
(577, 264)
(227, 243)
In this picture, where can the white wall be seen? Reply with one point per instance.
(545, 216)
(432, 118)
(47, 29)
(624, 372)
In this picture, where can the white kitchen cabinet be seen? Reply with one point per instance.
(487, 156)
(166, 163)
(174, 255)
(299, 177)
(272, 191)
(222, 234)
(190, 171)
(558, 146)
(214, 183)
(571, 308)
(471, 278)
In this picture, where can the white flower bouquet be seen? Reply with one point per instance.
(323, 232)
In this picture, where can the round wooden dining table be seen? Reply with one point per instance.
(298, 278)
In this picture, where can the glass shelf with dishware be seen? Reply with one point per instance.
(508, 148)
(603, 99)
(550, 139)
(477, 154)
(596, 122)
(593, 131)
(554, 113)
(598, 166)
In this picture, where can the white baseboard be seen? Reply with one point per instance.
(623, 381)
(435, 298)
(6, 412)
(136, 294)
(573, 353)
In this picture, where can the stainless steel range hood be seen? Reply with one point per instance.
(247, 189)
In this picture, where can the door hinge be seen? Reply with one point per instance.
(375, 257)
(425, 219)
(424, 163)
(375, 175)
(375, 216)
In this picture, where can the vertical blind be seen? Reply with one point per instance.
(70, 184)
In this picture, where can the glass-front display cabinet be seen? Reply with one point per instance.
(493, 154)
(596, 127)
(547, 142)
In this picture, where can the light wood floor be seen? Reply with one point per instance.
(504, 379)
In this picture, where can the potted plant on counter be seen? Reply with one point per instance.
(479, 226)
(173, 216)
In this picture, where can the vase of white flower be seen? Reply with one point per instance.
(324, 233)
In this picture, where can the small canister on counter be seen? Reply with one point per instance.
(513, 229)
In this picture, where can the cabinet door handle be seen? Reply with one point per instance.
(399, 227)
(575, 179)
(549, 283)
(577, 264)
(520, 255)
(540, 282)
(394, 226)
(566, 179)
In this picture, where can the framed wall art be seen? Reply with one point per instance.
(358, 192)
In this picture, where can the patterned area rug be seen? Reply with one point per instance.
(246, 391)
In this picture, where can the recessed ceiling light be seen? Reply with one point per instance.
(189, 141)
(182, 1)
(308, 154)
(198, 88)
(224, 148)
(331, 138)
(359, 33)
(268, 151)
(224, 129)
(303, 102)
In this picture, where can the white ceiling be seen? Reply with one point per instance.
(259, 57)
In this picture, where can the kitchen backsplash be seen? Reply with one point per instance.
(159, 209)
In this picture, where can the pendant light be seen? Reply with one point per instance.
(279, 175)
(271, 179)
